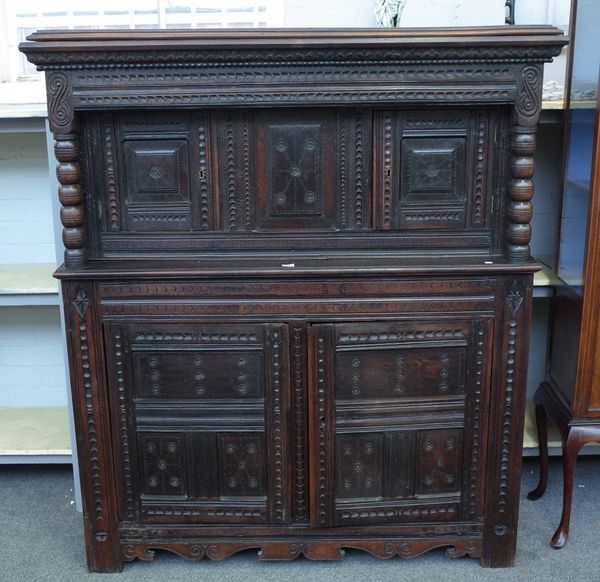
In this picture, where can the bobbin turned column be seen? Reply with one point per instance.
(72, 216)
(68, 152)
(520, 191)
(526, 114)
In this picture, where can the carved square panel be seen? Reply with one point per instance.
(156, 170)
(163, 464)
(242, 463)
(439, 466)
(433, 170)
(359, 465)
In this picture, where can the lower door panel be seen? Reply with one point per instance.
(199, 414)
(397, 421)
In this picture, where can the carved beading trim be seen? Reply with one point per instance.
(144, 532)
(111, 187)
(297, 96)
(408, 287)
(476, 419)
(142, 125)
(165, 511)
(387, 177)
(153, 218)
(479, 174)
(203, 177)
(358, 171)
(507, 419)
(343, 177)
(513, 301)
(279, 513)
(123, 429)
(196, 337)
(388, 512)
(323, 505)
(412, 334)
(92, 434)
(447, 55)
(437, 123)
(231, 172)
(246, 170)
(384, 72)
(427, 217)
(60, 106)
(299, 403)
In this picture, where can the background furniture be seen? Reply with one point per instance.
(571, 392)
(298, 301)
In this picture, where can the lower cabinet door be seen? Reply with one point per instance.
(198, 412)
(397, 421)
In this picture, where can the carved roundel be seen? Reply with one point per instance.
(155, 172)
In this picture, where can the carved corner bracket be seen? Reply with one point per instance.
(528, 103)
(61, 115)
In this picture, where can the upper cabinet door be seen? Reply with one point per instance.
(390, 440)
(199, 418)
(438, 170)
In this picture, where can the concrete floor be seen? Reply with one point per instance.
(41, 540)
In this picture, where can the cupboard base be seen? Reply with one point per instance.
(311, 548)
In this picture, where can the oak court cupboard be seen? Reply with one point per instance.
(297, 286)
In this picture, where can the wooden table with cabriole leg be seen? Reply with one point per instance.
(571, 393)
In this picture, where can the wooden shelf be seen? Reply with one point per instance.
(28, 284)
(34, 435)
(544, 281)
(33, 284)
(553, 104)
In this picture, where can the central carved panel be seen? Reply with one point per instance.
(294, 165)
(296, 170)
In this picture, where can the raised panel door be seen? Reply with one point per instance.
(398, 421)
(199, 415)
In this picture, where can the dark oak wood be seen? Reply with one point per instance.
(298, 286)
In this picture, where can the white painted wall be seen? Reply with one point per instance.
(32, 368)
(328, 13)
(25, 212)
(417, 13)
(32, 371)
